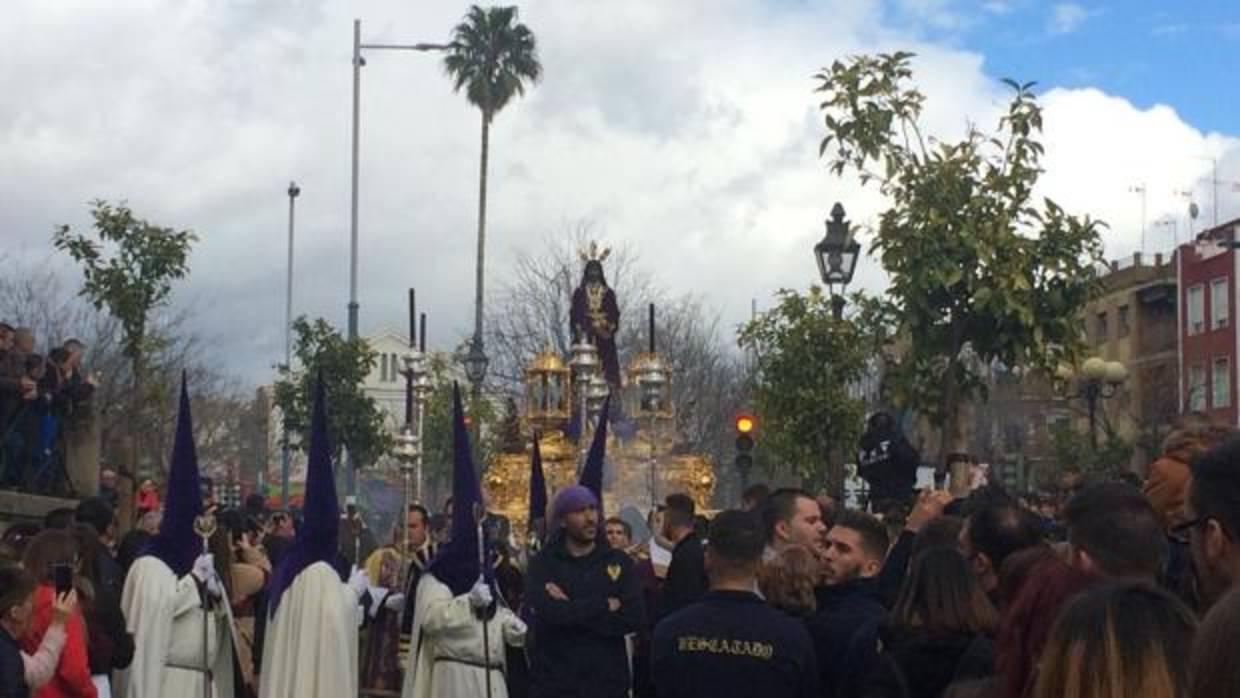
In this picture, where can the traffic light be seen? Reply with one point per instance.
(745, 426)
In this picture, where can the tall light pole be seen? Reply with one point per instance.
(837, 254)
(293, 192)
(1099, 380)
(358, 62)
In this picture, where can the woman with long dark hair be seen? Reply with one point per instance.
(109, 645)
(939, 631)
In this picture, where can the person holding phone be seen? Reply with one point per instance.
(20, 672)
(50, 560)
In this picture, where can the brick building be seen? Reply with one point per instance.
(1207, 271)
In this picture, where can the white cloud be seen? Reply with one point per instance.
(697, 148)
(1067, 17)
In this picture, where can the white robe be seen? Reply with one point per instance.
(166, 618)
(311, 646)
(446, 629)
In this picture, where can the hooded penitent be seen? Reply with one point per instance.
(457, 564)
(318, 537)
(592, 471)
(538, 492)
(176, 544)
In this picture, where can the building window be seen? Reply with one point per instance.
(1122, 320)
(1221, 393)
(383, 368)
(1196, 388)
(1196, 311)
(1100, 331)
(1220, 308)
(395, 364)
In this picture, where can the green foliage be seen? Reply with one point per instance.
(979, 271)
(1074, 453)
(804, 362)
(138, 277)
(492, 58)
(354, 419)
(437, 426)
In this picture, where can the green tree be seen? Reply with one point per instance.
(1074, 453)
(355, 421)
(129, 265)
(979, 271)
(492, 58)
(437, 426)
(804, 364)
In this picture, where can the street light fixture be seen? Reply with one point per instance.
(293, 192)
(358, 62)
(1099, 380)
(837, 253)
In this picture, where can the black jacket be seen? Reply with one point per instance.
(578, 646)
(732, 644)
(845, 634)
(914, 663)
(686, 581)
(888, 462)
(12, 669)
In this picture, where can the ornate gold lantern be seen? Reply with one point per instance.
(547, 392)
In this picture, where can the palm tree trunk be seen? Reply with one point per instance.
(482, 220)
(482, 238)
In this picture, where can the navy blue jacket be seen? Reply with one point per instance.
(845, 634)
(686, 577)
(578, 647)
(730, 643)
(12, 669)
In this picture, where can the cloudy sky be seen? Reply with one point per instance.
(685, 129)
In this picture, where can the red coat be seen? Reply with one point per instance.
(72, 679)
(148, 500)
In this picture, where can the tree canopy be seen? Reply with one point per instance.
(979, 270)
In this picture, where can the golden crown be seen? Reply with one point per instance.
(593, 253)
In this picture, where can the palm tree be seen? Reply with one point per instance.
(492, 57)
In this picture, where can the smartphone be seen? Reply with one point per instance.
(62, 577)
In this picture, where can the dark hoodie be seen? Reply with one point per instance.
(888, 462)
(578, 646)
(914, 663)
(844, 631)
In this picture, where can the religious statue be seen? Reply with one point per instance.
(595, 314)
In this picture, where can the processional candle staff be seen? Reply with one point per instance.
(204, 526)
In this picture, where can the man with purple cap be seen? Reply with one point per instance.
(460, 626)
(172, 591)
(310, 647)
(585, 598)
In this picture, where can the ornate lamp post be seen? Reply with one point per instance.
(837, 253)
(409, 452)
(651, 375)
(1099, 380)
(584, 363)
(476, 363)
(652, 380)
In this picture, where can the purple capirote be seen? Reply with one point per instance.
(572, 499)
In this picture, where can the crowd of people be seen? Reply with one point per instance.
(1106, 591)
(40, 394)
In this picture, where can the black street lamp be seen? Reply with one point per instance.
(837, 253)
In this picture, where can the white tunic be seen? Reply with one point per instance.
(448, 659)
(311, 646)
(166, 618)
